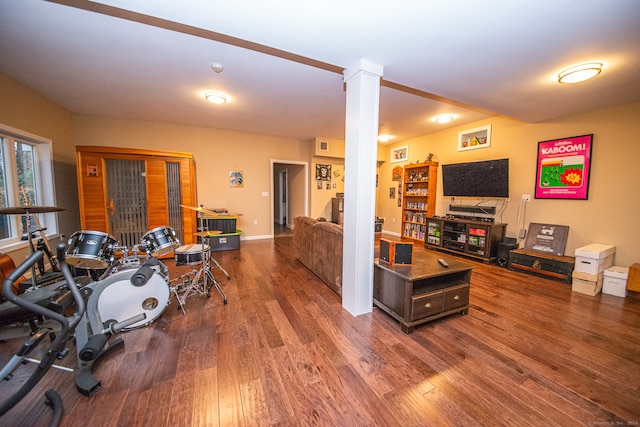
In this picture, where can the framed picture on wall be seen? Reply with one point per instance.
(563, 168)
(236, 179)
(473, 139)
(323, 172)
(400, 154)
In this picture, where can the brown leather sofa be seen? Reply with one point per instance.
(318, 246)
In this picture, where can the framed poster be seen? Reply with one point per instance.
(548, 238)
(563, 168)
(323, 172)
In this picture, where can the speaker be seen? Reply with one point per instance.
(396, 252)
(502, 258)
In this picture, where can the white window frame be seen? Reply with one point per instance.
(44, 179)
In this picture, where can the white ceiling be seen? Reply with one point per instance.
(283, 59)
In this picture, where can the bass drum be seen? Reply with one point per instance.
(121, 300)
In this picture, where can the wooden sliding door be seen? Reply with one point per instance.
(127, 192)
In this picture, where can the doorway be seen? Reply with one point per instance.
(289, 195)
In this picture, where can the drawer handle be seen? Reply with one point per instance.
(457, 297)
(428, 305)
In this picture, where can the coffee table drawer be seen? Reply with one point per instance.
(426, 305)
(456, 297)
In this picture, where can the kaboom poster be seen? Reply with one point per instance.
(563, 168)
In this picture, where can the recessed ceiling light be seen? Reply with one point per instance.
(444, 118)
(580, 73)
(216, 97)
(384, 138)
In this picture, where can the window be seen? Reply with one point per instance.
(26, 178)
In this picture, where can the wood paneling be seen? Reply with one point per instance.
(94, 206)
(92, 191)
(157, 215)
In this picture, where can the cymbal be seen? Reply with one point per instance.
(200, 209)
(208, 233)
(21, 210)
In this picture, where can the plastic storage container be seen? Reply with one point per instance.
(615, 281)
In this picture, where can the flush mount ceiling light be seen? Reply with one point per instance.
(580, 73)
(216, 97)
(444, 118)
(384, 138)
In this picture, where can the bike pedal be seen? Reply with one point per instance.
(62, 353)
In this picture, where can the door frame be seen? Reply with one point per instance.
(273, 162)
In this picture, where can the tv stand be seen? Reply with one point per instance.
(470, 238)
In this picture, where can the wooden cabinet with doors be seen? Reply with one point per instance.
(128, 192)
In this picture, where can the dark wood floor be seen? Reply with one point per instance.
(284, 352)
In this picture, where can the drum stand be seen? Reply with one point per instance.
(199, 281)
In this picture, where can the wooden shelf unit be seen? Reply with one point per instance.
(419, 199)
(474, 239)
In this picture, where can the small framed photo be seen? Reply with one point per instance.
(473, 139)
(400, 154)
(323, 145)
(236, 179)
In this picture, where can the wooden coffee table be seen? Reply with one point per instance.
(422, 292)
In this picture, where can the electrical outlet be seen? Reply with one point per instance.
(526, 197)
(255, 222)
(523, 233)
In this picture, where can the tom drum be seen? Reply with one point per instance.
(159, 242)
(90, 249)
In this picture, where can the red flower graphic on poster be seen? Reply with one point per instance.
(563, 168)
(572, 177)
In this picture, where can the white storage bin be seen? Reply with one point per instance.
(594, 258)
(615, 281)
(593, 266)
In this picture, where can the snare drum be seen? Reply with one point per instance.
(90, 249)
(191, 254)
(159, 241)
(120, 300)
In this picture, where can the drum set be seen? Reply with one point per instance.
(112, 267)
(93, 253)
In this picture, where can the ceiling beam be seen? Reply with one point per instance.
(153, 21)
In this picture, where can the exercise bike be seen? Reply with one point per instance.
(127, 299)
(67, 326)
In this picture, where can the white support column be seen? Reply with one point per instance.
(361, 149)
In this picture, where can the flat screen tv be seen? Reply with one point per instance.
(489, 178)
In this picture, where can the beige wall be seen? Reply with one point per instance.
(608, 216)
(24, 109)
